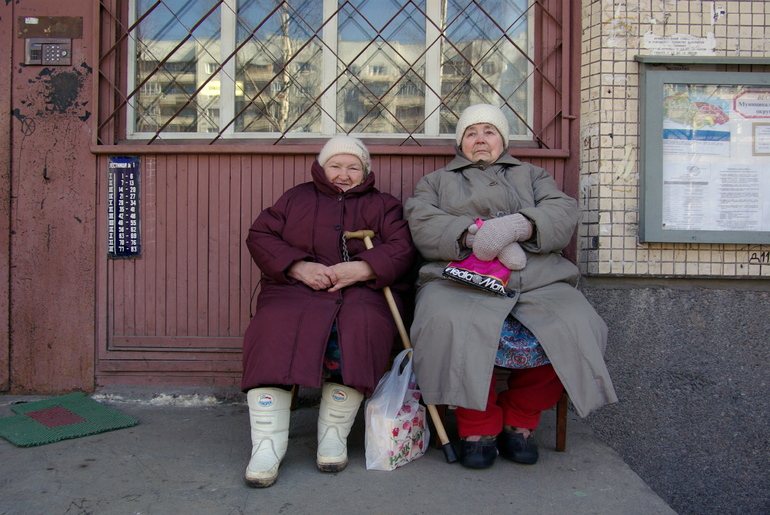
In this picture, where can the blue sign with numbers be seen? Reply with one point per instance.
(123, 227)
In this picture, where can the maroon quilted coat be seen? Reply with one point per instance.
(286, 340)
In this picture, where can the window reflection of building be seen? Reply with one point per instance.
(169, 85)
(381, 87)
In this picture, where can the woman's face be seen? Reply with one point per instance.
(344, 171)
(482, 142)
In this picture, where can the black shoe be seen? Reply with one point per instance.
(515, 447)
(478, 455)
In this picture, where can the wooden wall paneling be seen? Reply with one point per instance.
(150, 243)
(173, 344)
(392, 180)
(147, 281)
(190, 247)
(382, 171)
(259, 186)
(265, 172)
(109, 298)
(246, 277)
(283, 175)
(279, 183)
(560, 167)
(250, 214)
(397, 164)
(235, 247)
(406, 177)
(140, 285)
(212, 247)
(229, 265)
(132, 300)
(299, 169)
(117, 280)
(253, 187)
(222, 263)
(182, 244)
(161, 270)
(203, 224)
(169, 258)
(307, 166)
(136, 362)
(166, 258)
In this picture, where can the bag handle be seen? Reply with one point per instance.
(399, 360)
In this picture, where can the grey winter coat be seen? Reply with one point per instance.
(456, 328)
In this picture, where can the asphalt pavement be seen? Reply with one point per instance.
(189, 451)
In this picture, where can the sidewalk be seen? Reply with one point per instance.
(188, 454)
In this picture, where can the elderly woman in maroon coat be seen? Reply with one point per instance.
(321, 318)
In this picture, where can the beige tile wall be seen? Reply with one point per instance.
(613, 34)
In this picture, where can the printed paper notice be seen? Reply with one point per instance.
(715, 177)
(707, 198)
(680, 44)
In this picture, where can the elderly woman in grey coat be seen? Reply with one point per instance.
(542, 328)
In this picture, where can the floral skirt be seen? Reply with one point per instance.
(518, 347)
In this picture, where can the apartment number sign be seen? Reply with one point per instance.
(123, 223)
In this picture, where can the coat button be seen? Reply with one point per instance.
(337, 227)
(338, 301)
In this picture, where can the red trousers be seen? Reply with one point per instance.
(530, 392)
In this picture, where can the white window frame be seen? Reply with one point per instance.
(329, 99)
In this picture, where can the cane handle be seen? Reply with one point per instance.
(360, 235)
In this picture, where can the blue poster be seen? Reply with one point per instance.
(123, 227)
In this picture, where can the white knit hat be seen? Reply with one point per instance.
(482, 113)
(343, 144)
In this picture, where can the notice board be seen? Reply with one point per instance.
(705, 156)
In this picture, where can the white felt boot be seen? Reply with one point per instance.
(339, 406)
(269, 412)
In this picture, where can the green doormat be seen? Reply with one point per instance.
(60, 418)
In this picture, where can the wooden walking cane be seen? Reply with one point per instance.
(449, 452)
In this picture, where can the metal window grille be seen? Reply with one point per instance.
(400, 70)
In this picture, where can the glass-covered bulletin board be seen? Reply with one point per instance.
(705, 156)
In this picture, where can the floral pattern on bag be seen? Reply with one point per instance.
(396, 429)
(408, 432)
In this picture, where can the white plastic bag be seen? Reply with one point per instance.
(396, 432)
